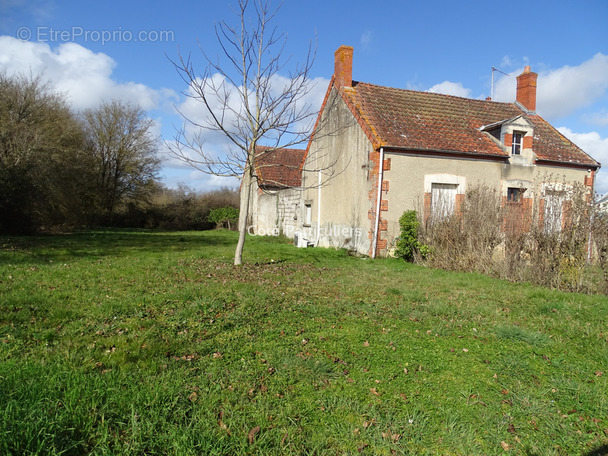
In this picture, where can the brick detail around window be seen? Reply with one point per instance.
(508, 139)
(427, 207)
(528, 140)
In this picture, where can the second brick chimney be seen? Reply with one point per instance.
(526, 89)
(343, 66)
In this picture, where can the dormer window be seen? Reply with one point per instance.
(517, 143)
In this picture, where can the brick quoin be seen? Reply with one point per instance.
(384, 205)
(387, 164)
(383, 225)
(508, 139)
(382, 244)
(385, 186)
(528, 140)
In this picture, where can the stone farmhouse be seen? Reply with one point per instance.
(389, 150)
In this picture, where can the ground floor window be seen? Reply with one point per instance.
(307, 213)
(443, 200)
(515, 194)
(553, 211)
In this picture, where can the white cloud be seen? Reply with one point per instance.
(85, 77)
(451, 88)
(597, 118)
(597, 147)
(199, 127)
(562, 91)
(366, 39)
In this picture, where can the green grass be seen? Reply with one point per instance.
(126, 342)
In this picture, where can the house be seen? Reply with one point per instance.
(274, 204)
(393, 150)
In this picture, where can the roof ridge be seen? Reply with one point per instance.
(434, 93)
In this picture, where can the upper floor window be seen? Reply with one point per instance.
(517, 143)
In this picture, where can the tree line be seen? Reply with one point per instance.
(60, 169)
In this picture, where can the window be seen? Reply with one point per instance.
(307, 214)
(443, 200)
(554, 207)
(517, 143)
(515, 194)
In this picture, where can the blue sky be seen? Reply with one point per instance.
(95, 51)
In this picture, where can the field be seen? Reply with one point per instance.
(150, 343)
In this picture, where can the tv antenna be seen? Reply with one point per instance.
(492, 88)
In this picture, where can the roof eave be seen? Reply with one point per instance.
(544, 161)
(446, 152)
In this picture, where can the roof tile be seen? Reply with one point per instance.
(408, 119)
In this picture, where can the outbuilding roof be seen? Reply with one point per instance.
(279, 168)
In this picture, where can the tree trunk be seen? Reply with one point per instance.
(243, 215)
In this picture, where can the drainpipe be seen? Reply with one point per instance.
(319, 211)
(377, 221)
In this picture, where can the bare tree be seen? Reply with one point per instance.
(41, 163)
(123, 152)
(244, 98)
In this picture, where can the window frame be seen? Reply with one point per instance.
(517, 146)
(307, 213)
(515, 195)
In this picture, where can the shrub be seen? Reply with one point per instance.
(514, 242)
(408, 245)
(224, 217)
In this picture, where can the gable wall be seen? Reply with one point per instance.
(341, 146)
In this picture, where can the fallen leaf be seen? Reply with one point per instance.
(223, 426)
(511, 429)
(366, 344)
(374, 392)
(367, 424)
(505, 446)
(252, 433)
(193, 397)
(598, 373)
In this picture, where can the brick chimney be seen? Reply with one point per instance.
(526, 89)
(343, 66)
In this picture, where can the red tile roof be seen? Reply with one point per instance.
(425, 121)
(279, 168)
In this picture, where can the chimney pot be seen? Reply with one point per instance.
(526, 89)
(343, 66)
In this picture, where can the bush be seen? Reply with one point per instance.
(512, 241)
(224, 217)
(407, 244)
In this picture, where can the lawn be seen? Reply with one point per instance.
(133, 343)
